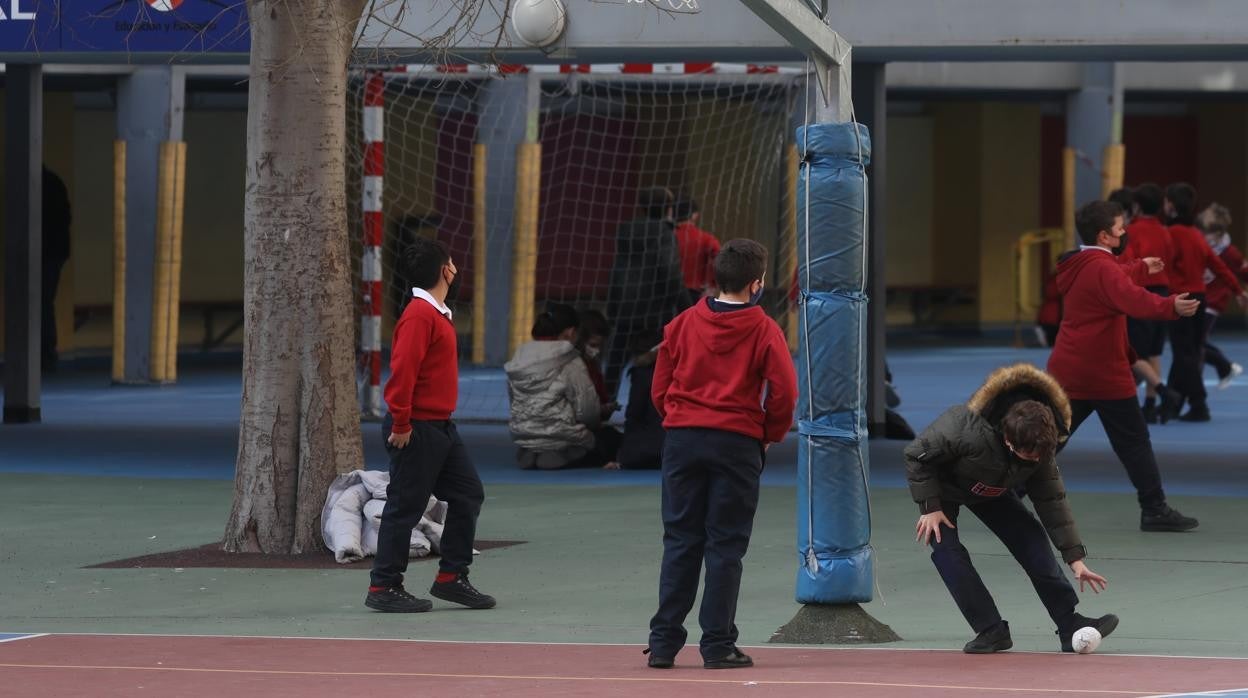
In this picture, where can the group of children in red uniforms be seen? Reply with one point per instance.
(1187, 253)
(725, 386)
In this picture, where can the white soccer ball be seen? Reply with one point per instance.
(1085, 640)
(539, 22)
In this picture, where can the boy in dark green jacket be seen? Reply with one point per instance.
(976, 455)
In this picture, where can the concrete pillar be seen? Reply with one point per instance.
(150, 104)
(870, 107)
(501, 127)
(23, 243)
(1094, 121)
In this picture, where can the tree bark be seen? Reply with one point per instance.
(300, 422)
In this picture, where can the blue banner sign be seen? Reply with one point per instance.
(174, 27)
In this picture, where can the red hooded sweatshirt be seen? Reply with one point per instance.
(698, 249)
(1218, 292)
(1192, 256)
(1091, 358)
(1147, 237)
(726, 370)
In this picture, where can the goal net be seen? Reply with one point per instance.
(577, 146)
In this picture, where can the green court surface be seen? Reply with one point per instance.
(588, 571)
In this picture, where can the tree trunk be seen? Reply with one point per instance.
(300, 421)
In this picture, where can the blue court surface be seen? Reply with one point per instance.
(190, 430)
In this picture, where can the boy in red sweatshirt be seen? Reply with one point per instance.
(725, 386)
(697, 250)
(1187, 334)
(1092, 361)
(1147, 237)
(1215, 223)
(426, 454)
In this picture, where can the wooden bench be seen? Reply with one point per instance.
(927, 301)
(211, 311)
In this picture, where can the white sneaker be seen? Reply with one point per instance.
(1236, 371)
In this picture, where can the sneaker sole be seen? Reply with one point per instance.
(728, 666)
(1158, 528)
(466, 604)
(661, 663)
(388, 608)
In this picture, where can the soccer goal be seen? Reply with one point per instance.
(426, 137)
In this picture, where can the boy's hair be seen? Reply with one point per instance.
(1123, 197)
(1182, 196)
(1094, 217)
(1149, 198)
(1216, 218)
(1030, 428)
(685, 208)
(654, 201)
(593, 324)
(423, 259)
(557, 318)
(740, 262)
(644, 341)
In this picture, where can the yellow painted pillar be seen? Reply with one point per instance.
(479, 253)
(524, 247)
(119, 261)
(170, 195)
(1112, 169)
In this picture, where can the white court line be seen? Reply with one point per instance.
(1230, 692)
(21, 637)
(638, 645)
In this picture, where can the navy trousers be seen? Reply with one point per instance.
(710, 494)
(1025, 538)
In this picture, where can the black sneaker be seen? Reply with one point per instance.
(1166, 519)
(1196, 413)
(994, 639)
(736, 660)
(462, 592)
(1150, 413)
(396, 600)
(657, 662)
(1171, 404)
(1104, 625)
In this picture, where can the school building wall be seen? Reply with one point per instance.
(965, 178)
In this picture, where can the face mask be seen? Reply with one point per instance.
(756, 296)
(1122, 246)
(452, 289)
(592, 352)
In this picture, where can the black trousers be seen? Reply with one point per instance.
(433, 462)
(1187, 340)
(710, 494)
(1025, 538)
(51, 280)
(1128, 436)
(1213, 355)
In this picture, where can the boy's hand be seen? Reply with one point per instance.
(399, 440)
(929, 524)
(1088, 577)
(1155, 265)
(1185, 305)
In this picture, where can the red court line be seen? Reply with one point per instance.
(100, 665)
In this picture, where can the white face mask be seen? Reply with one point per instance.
(592, 352)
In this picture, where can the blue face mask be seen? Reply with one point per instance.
(756, 296)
